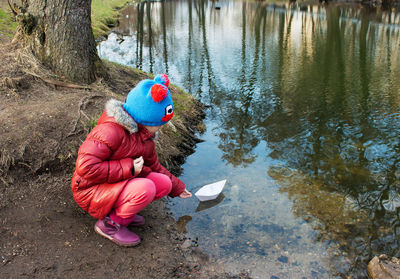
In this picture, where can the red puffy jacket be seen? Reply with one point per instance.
(105, 161)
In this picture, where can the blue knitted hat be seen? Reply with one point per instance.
(150, 102)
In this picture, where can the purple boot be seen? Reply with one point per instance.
(116, 233)
(137, 221)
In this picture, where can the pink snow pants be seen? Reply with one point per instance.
(137, 194)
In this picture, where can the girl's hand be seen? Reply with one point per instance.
(138, 165)
(185, 194)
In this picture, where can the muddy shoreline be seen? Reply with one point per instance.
(45, 234)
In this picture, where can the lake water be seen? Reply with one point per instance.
(304, 123)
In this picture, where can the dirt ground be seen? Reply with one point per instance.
(44, 233)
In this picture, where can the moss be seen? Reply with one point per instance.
(182, 100)
(105, 15)
(7, 24)
(127, 68)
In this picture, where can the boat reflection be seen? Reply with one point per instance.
(208, 204)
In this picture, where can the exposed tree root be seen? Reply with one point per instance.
(82, 104)
(56, 83)
(31, 65)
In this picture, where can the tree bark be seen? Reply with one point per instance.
(61, 37)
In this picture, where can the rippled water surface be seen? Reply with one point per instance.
(303, 123)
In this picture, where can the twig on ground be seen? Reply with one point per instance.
(26, 165)
(4, 181)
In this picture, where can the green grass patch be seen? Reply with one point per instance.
(182, 101)
(105, 15)
(7, 24)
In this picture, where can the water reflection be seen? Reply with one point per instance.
(315, 86)
(208, 204)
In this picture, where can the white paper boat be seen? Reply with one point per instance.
(210, 191)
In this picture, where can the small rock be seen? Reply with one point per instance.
(200, 255)
(382, 267)
(186, 244)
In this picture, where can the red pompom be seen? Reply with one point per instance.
(158, 93)
(165, 78)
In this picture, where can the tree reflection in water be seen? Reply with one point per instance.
(341, 142)
(317, 85)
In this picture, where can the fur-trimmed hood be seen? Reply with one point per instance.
(114, 109)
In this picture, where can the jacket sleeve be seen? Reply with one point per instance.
(177, 185)
(93, 161)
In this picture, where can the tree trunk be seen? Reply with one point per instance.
(61, 37)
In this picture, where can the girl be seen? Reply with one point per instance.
(117, 170)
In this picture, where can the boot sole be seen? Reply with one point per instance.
(100, 232)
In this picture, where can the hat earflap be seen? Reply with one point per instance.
(158, 92)
(162, 79)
